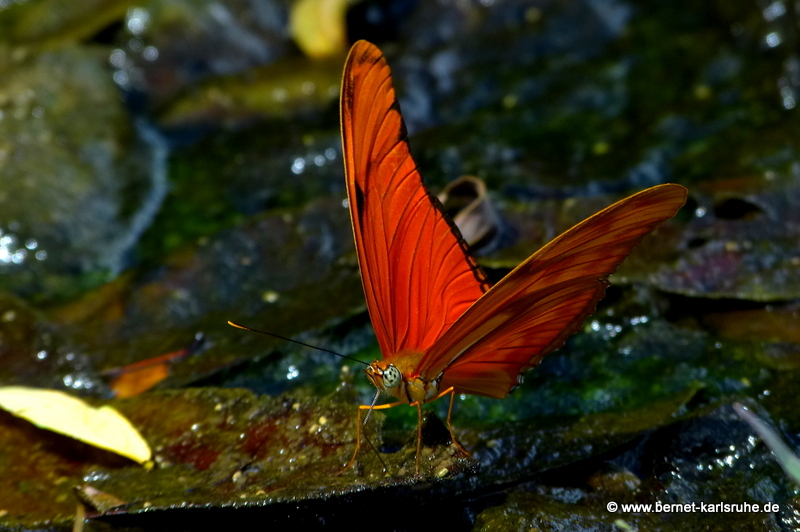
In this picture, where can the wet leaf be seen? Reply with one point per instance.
(280, 90)
(103, 427)
(58, 22)
(742, 243)
(561, 107)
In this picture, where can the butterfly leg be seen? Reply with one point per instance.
(452, 392)
(358, 430)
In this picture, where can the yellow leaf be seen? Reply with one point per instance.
(318, 27)
(102, 427)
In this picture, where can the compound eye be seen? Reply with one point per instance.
(391, 376)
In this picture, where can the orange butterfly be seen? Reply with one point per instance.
(441, 328)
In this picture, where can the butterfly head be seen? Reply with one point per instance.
(384, 376)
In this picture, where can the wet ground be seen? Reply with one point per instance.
(168, 166)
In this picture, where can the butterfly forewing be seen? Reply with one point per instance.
(417, 276)
(545, 299)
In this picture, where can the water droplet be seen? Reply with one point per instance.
(137, 20)
(270, 296)
(774, 10)
(298, 166)
(280, 95)
(121, 78)
(772, 39)
(117, 58)
(150, 53)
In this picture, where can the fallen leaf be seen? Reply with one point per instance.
(136, 378)
(134, 382)
(53, 410)
(318, 27)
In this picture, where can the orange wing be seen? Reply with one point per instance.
(545, 299)
(418, 278)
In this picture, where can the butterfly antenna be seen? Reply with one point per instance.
(371, 407)
(366, 418)
(232, 324)
(378, 454)
(375, 400)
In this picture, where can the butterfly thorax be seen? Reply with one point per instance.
(398, 375)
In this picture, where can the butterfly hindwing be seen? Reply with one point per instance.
(545, 299)
(417, 275)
